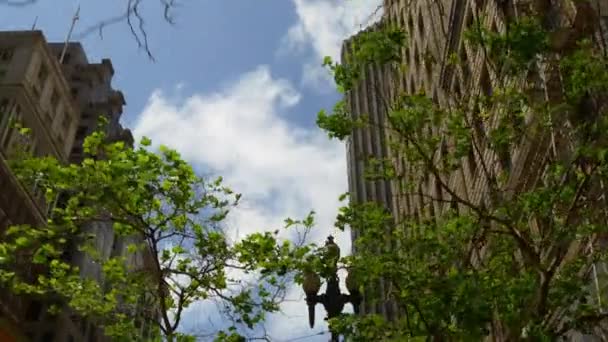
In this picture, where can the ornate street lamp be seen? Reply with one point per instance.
(333, 300)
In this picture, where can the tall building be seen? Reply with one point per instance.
(434, 38)
(34, 92)
(59, 96)
(91, 88)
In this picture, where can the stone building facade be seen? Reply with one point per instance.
(60, 99)
(434, 37)
(33, 92)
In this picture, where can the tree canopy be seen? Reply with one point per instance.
(175, 251)
(503, 230)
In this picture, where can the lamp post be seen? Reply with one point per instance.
(333, 299)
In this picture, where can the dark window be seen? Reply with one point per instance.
(6, 54)
(504, 157)
(457, 90)
(81, 132)
(42, 73)
(435, 97)
(54, 99)
(3, 106)
(416, 60)
(74, 92)
(48, 337)
(36, 91)
(470, 21)
(62, 200)
(68, 253)
(485, 82)
(92, 335)
(67, 121)
(472, 162)
(439, 192)
(464, 62)
(454, 206)
(33, 311)
(410, 25)
(83, 327)
(77, 150)
(66, 58)
(420, 24)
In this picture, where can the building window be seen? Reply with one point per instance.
(6, 55)
(472, 162)
(48, 337)
(74, 92)
(478, 122)
(36, 91)
(485, 82)
(3, 107)
(59, 138)
(42, 73)
(454, 206)
(83, 327)
(92, 334)
(81, 132)
(33, 311)
(470, 21)
(77, 150)
(464, 63)
(410, 24)
(54, 99)
(420, 24)
(457, 90)
(66, 58)
(67, 122)
(435, 96)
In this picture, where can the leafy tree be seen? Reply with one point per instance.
(515, 253)
(176, 251)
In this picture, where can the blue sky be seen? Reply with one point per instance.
(235, 87)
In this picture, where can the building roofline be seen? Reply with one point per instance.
(108, 64)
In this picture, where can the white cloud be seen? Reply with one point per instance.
(282, 170)
(322, 26)
(315, 76)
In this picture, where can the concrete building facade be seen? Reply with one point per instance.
(60, 99)
(34, 93)
(434, 37)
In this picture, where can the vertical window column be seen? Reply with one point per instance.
(5, 125)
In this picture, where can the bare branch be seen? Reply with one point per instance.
(18, 3)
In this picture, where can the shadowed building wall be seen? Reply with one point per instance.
(435, 38)
(61, 103)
